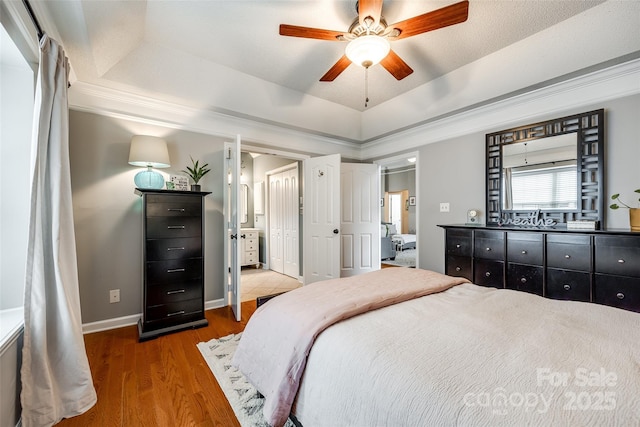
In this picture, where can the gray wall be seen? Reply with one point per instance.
(108, 214)
(454, 171)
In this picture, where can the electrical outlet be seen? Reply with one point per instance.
(114, 296)
(444, 207)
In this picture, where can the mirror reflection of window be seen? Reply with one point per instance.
(540, 174)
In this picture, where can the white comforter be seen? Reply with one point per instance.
(476, 356)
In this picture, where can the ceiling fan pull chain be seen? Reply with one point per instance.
(366, 87)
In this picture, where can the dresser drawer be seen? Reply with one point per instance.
(170, 227)
(173, 292)
(174, 205)
(174, 310)
(525, 278)
(568, 285)
(248, 235)
(569, 252)
(459, 242)
(617, 255)
(489, 244)
(524, 248)
(622, 292)
(488, 273)
(174, 271)
(251, 245)
(250, 257)
(164, 249)
(459, 266)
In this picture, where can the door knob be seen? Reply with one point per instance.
(336, 231)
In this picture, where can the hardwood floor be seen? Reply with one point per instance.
(162, 382)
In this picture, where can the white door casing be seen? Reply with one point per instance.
(359, 218)
(291, 222)
(231, 208)
(321, 218)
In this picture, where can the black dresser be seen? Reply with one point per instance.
(600, 266)
(173, 258)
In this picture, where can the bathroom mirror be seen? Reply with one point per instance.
(543, 148)
(244, 203)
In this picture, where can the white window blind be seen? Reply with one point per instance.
(548, 188)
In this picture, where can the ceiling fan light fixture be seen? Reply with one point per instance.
(366, 51)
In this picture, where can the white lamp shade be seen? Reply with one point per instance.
(366, 51)
(149, 151)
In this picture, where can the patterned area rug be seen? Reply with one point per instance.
(406, 258)
(242, 396)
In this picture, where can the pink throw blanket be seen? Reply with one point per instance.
(273, 350)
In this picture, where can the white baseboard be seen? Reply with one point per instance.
(120, 322)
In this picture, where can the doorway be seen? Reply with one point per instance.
(400, 206)
(257, 275)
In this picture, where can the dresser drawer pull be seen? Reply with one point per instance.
(524, 252)
(620, 295)
(176, 249)
(177, 313)
(175, 227)
(620, 261)
(523, 280)
(175, 209)
(178, 291)
(488, 274)
(458, 269)
(488, 249)
(567, 256)
(176, 270)
(567, 287)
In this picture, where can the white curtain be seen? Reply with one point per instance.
(56, 379)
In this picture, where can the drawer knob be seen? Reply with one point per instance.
(523, 280)
(458, 269)
(458, 245)
(524, 252)
(620, 261)
(176, 249)
(175, 209)
(620, 295)
(178, 291)
(176, 270)
(488, 274)
(488, 249)
(567, 287)
(567, 256)
(175, 227)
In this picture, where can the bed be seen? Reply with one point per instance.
(404, 241)
(447, 352)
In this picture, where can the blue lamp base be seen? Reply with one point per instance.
(149, 179)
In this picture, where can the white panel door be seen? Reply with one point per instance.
(275, 223)
(291, 222)
(359, 218)
(321, 218)
(232, 224)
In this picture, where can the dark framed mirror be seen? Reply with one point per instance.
(547, 173)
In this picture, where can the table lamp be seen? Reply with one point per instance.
(150, 152)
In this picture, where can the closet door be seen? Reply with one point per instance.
(290, 222)
(276, 215)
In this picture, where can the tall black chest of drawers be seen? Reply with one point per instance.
(173, 261)
(600, 266)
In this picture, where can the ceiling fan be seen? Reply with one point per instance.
(369, 36)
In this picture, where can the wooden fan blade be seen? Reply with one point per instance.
(337, 68)
(310, 33)
(369, 8)
(396, 66)
(449, 15)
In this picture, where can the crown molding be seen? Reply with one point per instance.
(125, 105)
(614, 82)
(609, 83)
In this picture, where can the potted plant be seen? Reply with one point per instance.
(634, 213)
(196, 172)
